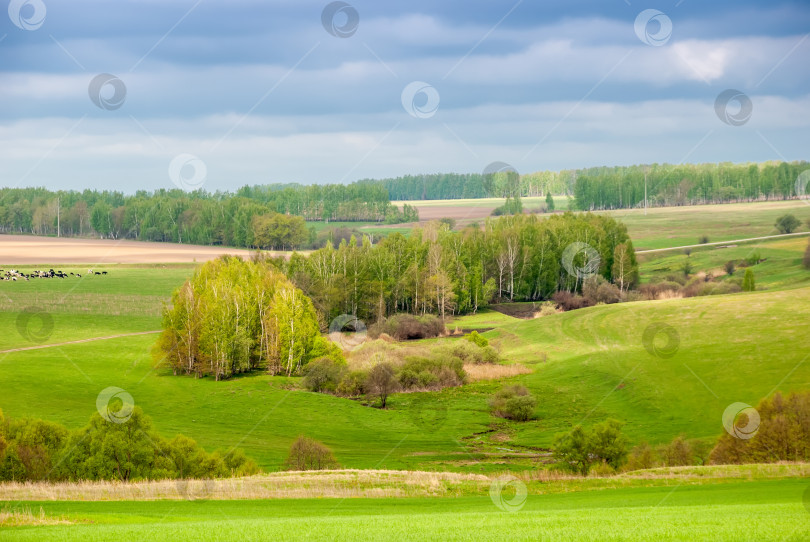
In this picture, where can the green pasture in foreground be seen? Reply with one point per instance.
(759, 510)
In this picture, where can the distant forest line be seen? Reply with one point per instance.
(274, 216)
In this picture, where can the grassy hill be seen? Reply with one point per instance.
(731, 348)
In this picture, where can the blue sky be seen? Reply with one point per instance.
(261, 92)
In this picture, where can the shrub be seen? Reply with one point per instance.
(513, 402)
(787, 223)
(323, 375)
(601, 469)
(445, 372)
(578, 449)
(568, 301)
(309, 454)
(643, 456)
(703, 239)
(783, 433)
(353, 384)
(477, 339)
(753, 258)
(466, 351)
(677, 453)
(730, 266)
(407, 327)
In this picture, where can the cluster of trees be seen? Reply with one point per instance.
(783, 433)
(234, 316)
(32, 449)
(667, 185)
(476, 185)
(242, 219)
(435, 270)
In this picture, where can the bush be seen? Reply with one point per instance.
(477, 339)
(323, 375)
(601, 469)
(787, 223)
(444, 373)
(404, 327)
(677, 453)
(466, 352)
(578, 449)
(730, 266)
(783, 433)
(353, 384)
(309, 454)
(643, 456)
(703, 239)
(513, 402)
(569, 302)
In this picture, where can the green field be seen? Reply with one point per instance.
(764, 510)
(588, 365)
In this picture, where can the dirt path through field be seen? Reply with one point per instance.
(37, 347)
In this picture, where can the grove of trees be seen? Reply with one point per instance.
(438, 271)
(32, 449)
(235, 316)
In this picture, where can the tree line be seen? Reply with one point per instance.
(234, 219)
(475, 185)
(33, 449)
(443, 272)
(689, 184)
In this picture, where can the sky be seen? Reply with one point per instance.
(149, 94)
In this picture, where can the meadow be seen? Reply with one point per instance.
(759, 510)
(586, 366)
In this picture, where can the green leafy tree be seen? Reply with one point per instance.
(549, 201)
(748, 284)
(787, 223)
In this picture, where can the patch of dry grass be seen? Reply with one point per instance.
(25, 517)
(486, 371)
(282, 485)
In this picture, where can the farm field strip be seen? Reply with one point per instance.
(760, 510)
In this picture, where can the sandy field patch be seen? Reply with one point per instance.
(30, 249)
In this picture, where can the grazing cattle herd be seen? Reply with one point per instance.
(14, 274)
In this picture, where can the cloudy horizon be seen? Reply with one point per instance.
(320, 92)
